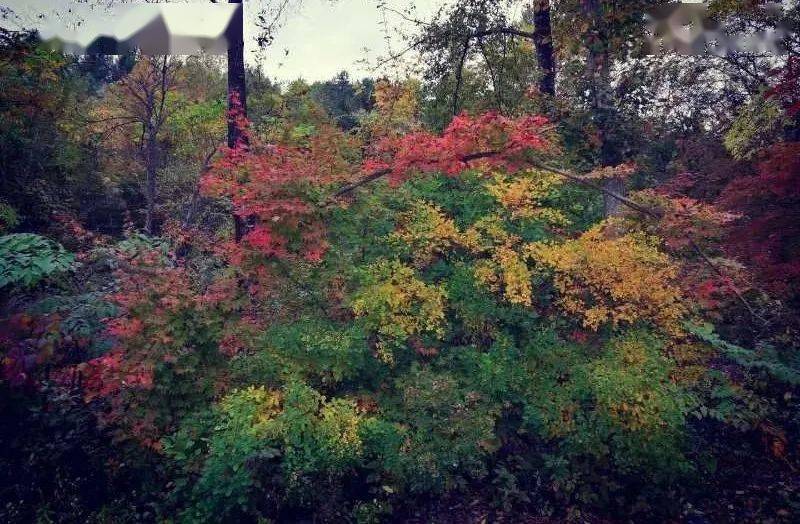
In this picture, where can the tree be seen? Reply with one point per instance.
(470, 27)
(543, 40)
(461, 34)
(237, 92)
(102, 70)
(237, 82)
(598, 75)
(43, 168)
(138, 107)
(237, 88)
(194, 132)
(344, 100)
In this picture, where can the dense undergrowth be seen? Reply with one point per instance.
(451, 340)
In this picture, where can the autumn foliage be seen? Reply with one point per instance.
(489, 141)
(767, 238)
(350, 321)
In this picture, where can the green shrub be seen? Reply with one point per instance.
(449, 435)
(316, 351)
(241, 429)
(283, 441)
(617, 419)
(27, 259)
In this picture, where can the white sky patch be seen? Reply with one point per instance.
(323, 38)
(197, 22)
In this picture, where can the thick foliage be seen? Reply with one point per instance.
(325, 346)
(26, 259)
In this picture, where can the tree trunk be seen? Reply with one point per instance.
(237, 94)
(598, 76)
(151, 169)
(237, 102)
(191, 210)
(611, 205)
(543, 41)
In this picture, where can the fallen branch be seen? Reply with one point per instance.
(355, 185)
(380, 173)
(375, 175)
(653, 213)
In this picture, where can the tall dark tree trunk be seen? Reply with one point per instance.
(543, 41)
(237, 102)
(237, 92)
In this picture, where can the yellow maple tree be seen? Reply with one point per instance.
(613, 279)
(524, 194)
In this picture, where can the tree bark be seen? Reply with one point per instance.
(612, 206)
(543, 42)
(151, 169)
(237, 102)
(237, 93)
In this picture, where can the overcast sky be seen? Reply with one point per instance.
(322, 37)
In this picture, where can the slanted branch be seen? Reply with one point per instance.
(625, 201)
